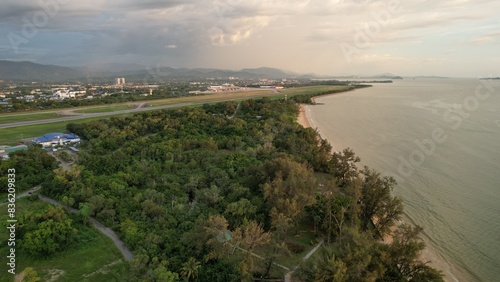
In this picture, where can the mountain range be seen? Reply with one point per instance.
(28, 71)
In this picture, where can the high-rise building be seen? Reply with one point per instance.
(119, 81)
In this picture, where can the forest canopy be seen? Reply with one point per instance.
(229, 192)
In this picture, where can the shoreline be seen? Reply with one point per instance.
(428, 254)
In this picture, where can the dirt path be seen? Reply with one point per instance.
(288, 276)
(235, 111)
(24, 194)
(127, 254)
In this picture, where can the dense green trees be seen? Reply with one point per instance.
(194, 193)
(32, 168)
(377, 204)
(291, 189)
(47, 233)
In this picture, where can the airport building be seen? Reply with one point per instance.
(56, 138)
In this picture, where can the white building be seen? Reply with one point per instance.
(66, 93)
(224, 87)
(63, 94)
(56, 138)
(119, 81)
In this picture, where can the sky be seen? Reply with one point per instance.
(457, 38)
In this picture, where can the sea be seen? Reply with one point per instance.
(440, 139)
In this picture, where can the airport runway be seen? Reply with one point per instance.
(138, 110)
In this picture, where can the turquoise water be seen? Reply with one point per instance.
(441, 140)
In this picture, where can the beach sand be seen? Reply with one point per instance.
(302, 118)
(427, 255)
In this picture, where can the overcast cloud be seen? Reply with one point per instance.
(447, 37)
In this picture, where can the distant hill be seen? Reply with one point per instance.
(27, 71)
(431, 77)
(271, 72)
(378, 76)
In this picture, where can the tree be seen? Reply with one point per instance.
(291, 189)
(316, 211)
(28, 275)
(251, 236)
(240, 211)
(329, 214)
(343, 166)
(377, 204)
(219, 236)
(404, 257)
(340, 204)
(84, 212)
(190, 268)
(53, 233)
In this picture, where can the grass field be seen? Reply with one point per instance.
(114, 108)
(211, 97)
(29, 117)
(313, 89)
(95, 258)
(12, 136)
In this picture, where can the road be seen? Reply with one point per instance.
(127, 254)
(62, 164)
(129, 111)
(24, 194)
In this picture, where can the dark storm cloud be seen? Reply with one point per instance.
(241, 33)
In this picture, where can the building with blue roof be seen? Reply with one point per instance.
(56, 138)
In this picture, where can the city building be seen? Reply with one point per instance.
(66, 93)
(223, 87)
(56, 138)
(119, 81)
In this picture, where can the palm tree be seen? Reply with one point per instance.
(190, 268)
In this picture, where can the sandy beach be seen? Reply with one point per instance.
(427, 255)
(302, 118)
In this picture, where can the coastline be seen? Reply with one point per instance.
(302, 119)
(428, 254)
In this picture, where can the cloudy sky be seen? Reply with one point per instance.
(335, 37)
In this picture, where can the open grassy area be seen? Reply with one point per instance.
(316, 89)
(12, 136)
(95, 258)
(212, 97)
(113, 108)
(29, 117)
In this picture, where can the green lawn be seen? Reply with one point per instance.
(95, 258)
(114, 108)
(314, 89)
(29, 117)
(11, 136)
(212, 97)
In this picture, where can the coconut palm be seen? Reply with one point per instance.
(190, 268)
